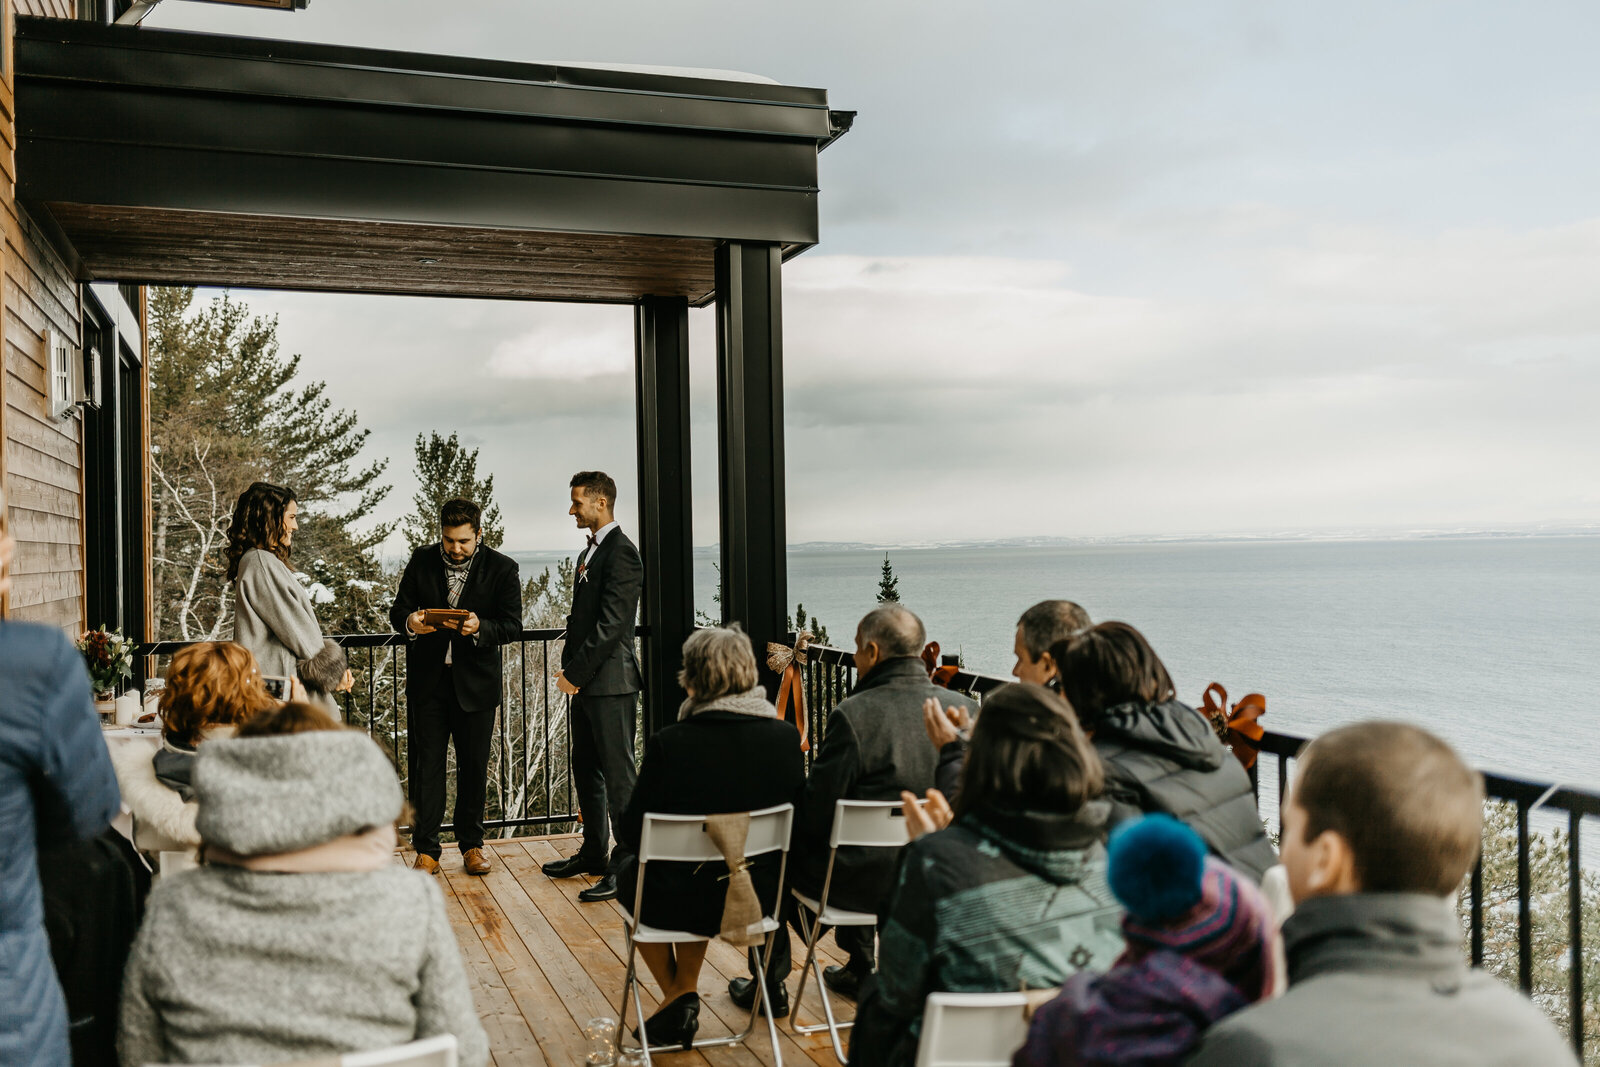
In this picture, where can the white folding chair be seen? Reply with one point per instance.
(683, 839)
(860, 824)
(975, 1029)
(437, 1051)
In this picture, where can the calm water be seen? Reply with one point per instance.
(1494, 643)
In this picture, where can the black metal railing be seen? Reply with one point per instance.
(530, 770)
(830, 672)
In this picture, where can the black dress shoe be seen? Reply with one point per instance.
(604, 889)
(675, 1024)
(775, 1003)
(843, 981)
(573, 866)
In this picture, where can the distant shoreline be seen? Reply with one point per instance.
(1313, 537)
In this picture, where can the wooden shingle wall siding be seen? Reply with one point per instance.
(41, 462)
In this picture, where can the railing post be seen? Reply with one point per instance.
(1575, 1002)
(1524, 903)
(661, 332)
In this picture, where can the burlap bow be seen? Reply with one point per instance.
(741, 911)
(1238, 729)
(787, 662)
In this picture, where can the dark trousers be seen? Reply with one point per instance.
(602, 732)
(437, 721)
(858, 942)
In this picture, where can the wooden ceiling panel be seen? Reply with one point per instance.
(154, 245)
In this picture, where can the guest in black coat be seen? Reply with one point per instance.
(453, 674)
(1160, 755)
(727, 752)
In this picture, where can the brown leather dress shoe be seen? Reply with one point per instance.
(475, 860)
(426, 864)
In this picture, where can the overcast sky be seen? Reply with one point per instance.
(1086, 269)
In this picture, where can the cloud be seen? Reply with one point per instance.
(1087, 269)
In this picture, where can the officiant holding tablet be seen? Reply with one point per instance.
(459, 602)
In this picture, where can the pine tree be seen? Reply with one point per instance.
(446, 470)
(227, 409)
(1547, 883)
(888, 584)
(801, 621)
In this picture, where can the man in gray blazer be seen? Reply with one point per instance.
(600, 672)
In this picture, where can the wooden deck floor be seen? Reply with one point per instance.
(541, 964)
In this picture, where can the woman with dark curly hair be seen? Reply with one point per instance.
(272, 612)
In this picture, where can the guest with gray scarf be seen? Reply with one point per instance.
(272, 612)
(301, 937)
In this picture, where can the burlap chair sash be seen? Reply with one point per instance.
(741, 912)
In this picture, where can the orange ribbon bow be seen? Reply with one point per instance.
(787, 662)
(1238, 729)
(940, 676)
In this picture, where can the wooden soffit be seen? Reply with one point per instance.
(155, 156)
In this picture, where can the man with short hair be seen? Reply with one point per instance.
(1382, 826)
(453, 674)
(1043, 625)
(600, 672)
(1040, 627)
(874, 748)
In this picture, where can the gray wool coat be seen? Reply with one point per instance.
(1379, 979)
(274, 619)
(239, 966)
(235, 965)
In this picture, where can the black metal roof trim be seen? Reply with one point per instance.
(159, 59)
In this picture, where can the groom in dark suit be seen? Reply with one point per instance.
(453, 678)
(600, 672)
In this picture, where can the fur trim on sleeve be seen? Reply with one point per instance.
(153, 805)
(324, 671)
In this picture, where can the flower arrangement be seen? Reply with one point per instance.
(109, 658)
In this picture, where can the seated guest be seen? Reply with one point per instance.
(1383, 823)
(211, 688)
(728, 751)
(1160, 755)
(1200, 947)
(874, 748)
(1041, 626)
(301, 936)
(1012, 894)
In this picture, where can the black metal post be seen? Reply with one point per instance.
(1575, 1001)
(1524, 903)
(750, 442)
(661, 330)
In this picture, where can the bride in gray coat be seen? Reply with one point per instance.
(272, 612)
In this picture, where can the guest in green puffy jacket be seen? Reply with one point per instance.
(1012, 894)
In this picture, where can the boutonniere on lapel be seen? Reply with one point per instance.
(583, 572)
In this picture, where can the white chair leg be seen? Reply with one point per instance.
(812, 929)
(772, 1025)
(834, 1026)
(638, 1006)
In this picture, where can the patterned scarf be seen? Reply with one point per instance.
(455, 575)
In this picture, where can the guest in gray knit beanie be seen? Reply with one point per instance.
(300, 936)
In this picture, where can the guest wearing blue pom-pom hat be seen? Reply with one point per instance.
(1199, 948)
